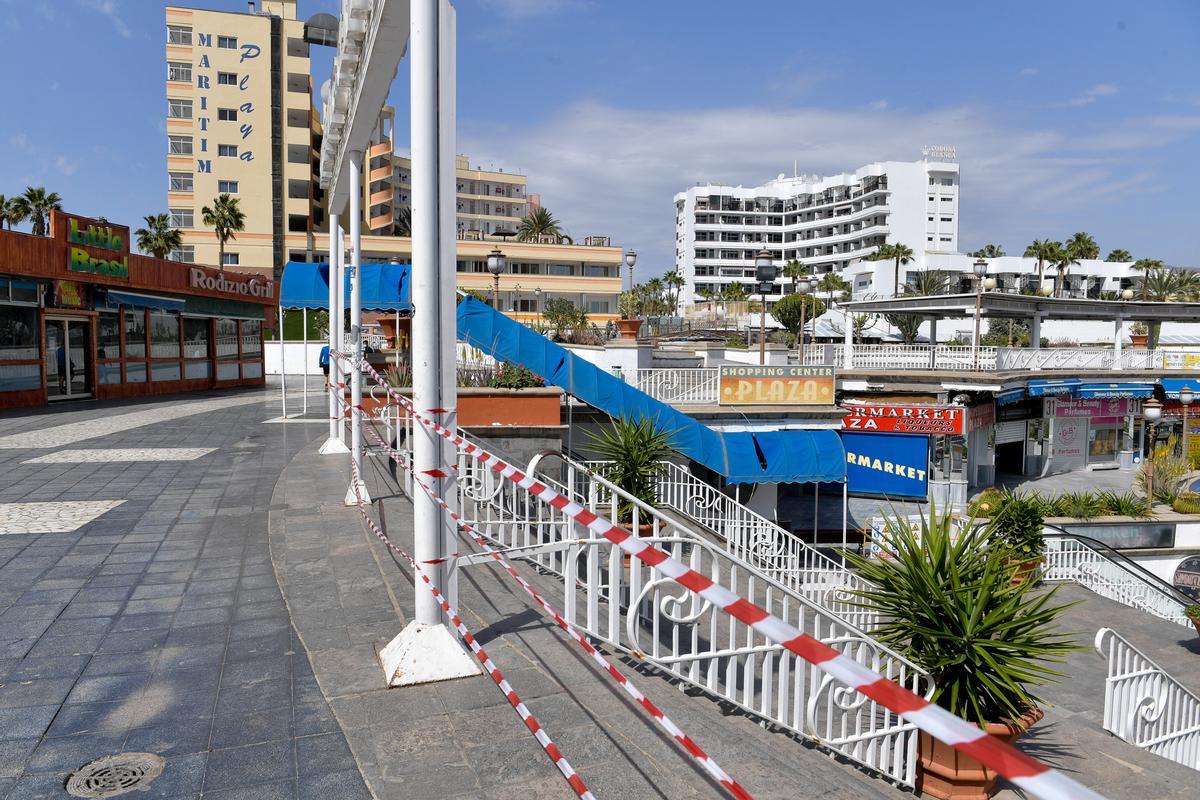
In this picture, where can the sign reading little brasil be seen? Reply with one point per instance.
(83, 233)
(775, 386)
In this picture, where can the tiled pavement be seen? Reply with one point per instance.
(159, 626)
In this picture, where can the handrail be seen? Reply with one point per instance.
(1114, 554)
(1145, 706)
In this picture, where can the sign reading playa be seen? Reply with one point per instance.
(84, 234)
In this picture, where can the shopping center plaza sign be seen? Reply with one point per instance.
(905, 419)
(775, 386)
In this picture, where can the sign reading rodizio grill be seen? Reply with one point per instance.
(251, 285)
(776, 386)
(905, 419)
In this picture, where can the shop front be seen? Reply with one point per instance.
(1090, 432)
(83, 317)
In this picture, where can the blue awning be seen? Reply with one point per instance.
(1111, 390)
(1050, 388)
(1010, 396)
(786, 456)
(385, 287)
(113, 298)
(1171, 386)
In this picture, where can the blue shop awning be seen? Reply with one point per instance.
(385, 287)
(1051, 388)
(1010, 396)
(112, 298)
(1111, 390)
(1171, 386)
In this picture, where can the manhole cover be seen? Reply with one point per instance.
(113, 775)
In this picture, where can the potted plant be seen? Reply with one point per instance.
(1016, 525)
(948, 603)
(633, 450)
(1193, 613)
(1139, 334)
(629, 306)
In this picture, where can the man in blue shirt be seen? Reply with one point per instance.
(323, 362)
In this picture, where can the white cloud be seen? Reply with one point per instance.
(22, 143)
(609, 170)
(1099, 90)
(533, 8)
(66, 166)
(878, 105)
(110, 9)
(1029, 72)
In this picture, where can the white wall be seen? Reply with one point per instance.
(295, 358)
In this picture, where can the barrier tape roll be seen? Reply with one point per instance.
(556, 757)
(1009, 762)
(686, 742)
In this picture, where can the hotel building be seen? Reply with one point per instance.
(241, 121)
(830, 224)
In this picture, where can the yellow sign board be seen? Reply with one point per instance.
(776, 386)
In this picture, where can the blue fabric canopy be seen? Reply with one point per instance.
(385, 287)
(113, 298)
(1110, 390)
(1171, 386)
(792, 456)
(1010, 396)
(1051, 388)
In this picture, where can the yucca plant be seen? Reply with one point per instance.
(1080, 505)
(633, 450)
(949, 604)
(1193, 612)
(1050, 506)
(1124, 505)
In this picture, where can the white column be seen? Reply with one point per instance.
(359, 490)
(1035, 331)
(282, 370)
(426, 641)
(1118, 331)
(304, 371)
(847, 341)
(334, 443)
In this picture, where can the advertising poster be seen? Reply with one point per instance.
(887, 464)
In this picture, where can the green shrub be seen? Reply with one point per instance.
(1050, 506)
(1124, 505)
(1169, 470)
(514, 376)
(986, 503)
(1017, 526)
(948, 602)
(633, 451)
(1193, 612)
(1080, 505)
(736, 342)
(1187, 503)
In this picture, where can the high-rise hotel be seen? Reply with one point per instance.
(241, 121)
(830, 224)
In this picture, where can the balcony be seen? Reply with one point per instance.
(951, 358)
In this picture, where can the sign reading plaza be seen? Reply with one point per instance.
(775, 386)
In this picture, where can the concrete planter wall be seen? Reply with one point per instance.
(538, 407)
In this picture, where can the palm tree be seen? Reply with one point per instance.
(1167, 285)
(901, 254)
(989, 251)
(1063, 258)
(1146, 266)
(675, 283)
(226, 218)
(158, 237)
(1119, 255)
(1043, 250)
(8, 212)
(538, 223)
(36, 205)
(831, 283)
(795, 270)
(404, 222)
(925, 284)
(1082, 246)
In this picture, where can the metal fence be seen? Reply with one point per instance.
(1145, 706)
(680, 386)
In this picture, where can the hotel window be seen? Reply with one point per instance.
(947, 219)
(227, 114)
(182, 218)
(598, 307)
(227, 151)
(179, 109)
(180, 182)
(227, 42)
(230, 259)
(179, 145)
(185, 254)
(947, 199)
(947, 181)
(179, 34)
(227, 187)
(595, 271)
(227, 79)
(179, 71)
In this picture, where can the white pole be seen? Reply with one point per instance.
(335, 410)
(845, 515)
(282, 370)
(304, 371)
(340, 286)
(355, 492)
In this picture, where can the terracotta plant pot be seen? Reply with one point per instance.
(629, 328)
(948, 774)
(1196, 622)
(1139, 339)
(1024, 570)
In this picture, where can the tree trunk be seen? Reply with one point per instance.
(220, 254)
(896, 277)
(1154, 329)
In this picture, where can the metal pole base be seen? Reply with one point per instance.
(333, 446)
(354, 495)
(425, 654)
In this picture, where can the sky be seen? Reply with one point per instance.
(1066, 115)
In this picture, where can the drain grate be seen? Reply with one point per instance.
(113, 775)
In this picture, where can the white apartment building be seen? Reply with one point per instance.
(831, 224)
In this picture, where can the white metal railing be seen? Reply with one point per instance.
(1068, 558)
(1055, 358)
(917, 356)
(637, 609)
(958, 358)
(680, 386)
(1145, 706)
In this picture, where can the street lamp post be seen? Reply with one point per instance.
(630, 260)
(537, 300)
(1152, 413)
(980, 269)
(516, 298)
(803, 287)
(1186, 396)
(765, 272)
(497, 263)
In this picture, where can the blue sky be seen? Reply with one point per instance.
(1067, 115)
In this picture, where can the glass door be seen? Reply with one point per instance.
(68, 359)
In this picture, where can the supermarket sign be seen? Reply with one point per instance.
(905, 419)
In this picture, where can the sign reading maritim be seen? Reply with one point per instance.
(251, 285)
(776, 386)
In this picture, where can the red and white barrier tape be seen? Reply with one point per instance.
(1014, 765)
(559, 760)
(686, 742)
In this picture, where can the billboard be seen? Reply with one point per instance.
(905, 419)
(887, 464)
(776, 386)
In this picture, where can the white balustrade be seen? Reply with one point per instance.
(1067, 558)
(958, 358)
(678, 386)
(1145, 706)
